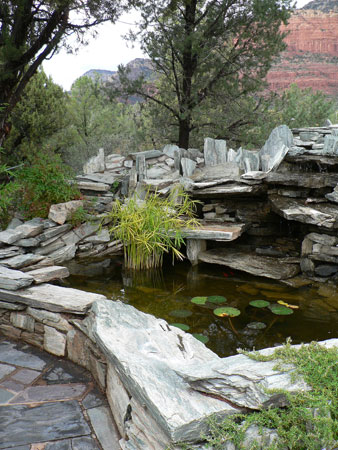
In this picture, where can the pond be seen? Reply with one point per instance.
(167, 294)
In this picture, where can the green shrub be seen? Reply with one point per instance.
(151, 227)
(78, 217)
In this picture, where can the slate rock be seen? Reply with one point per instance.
(275, 148)
(215, 152)
(326, 270)
(57, 420)
(46, 274)
(53, 298)
(188, 166)
(144, 349)
(13, 279)
(61, 212)
(17, 262)
(96, 163)
(21, 355)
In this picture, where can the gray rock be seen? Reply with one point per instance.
(10, 236)
(229, 171)
(170, 150)
(17, 262)
(275, 148)
(294, 209)
(51, 232)
(263, 266)
(8, 252)
(92, 186)
(215, 152)
(147, 154)
(144, 349)
(106, 177)
(13, 279)
(156, 172)
(22, 321)
(51, 319)
(230, 190)
(242, 381)
(303, 179)
(326, 270)
(52, 421)
(101, 237)
(63, 254)
(30, 242)
(46, 274)
(104, 427)
(114, 162)
(54, 342)
(11, 306)
(52, 298)
(56, 244)
(188, 166)
(95, 164)
(61, 212)
(14, 223)
(330, 145)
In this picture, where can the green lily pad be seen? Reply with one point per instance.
(256, 326)
(201, 337)
(180, 313)
(182, 326)
(217, 299)
(227, 311)
(199, 300)
(280, 310)
(259, 303)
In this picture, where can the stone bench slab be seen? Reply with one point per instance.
(52, 298)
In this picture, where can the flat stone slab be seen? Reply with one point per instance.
(80, 443)
(49, 273)
(106, 177)
(17, 262)
(323, 215)
(53, 298)
(230, 190)
(92, 186)
(104, 427)
(48, 393)
(5, 370)
(57, 420)
(144, 351)
(263, 266)
(303, 179)
(228, 232)
(19, 355)
(14, 279)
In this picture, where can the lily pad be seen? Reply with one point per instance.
(180, 313)
(259, 303)
(199, 300)
(227, 311)
(280, 310)
(182, 326)
(256, 326)
(201, 337)
(217, 299)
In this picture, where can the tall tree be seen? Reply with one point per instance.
(33, 30)
(206, 49)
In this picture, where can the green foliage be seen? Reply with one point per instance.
(38, 117)
(32, 30)
(206, 50)
(78, 217)
(42, 182)
(151, 227)
(310, 421)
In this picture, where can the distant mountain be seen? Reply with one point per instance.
(138, 66)
(323, 5)
(311, 57)
(310, 60)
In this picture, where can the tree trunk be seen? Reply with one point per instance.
(184, 133)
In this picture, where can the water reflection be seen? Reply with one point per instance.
(161, 292)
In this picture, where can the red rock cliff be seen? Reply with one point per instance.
(311, 58)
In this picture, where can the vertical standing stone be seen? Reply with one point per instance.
(132, 181)
(194, 247)
(215, 152)
(141, 167)
(54, 342)
(177, 160)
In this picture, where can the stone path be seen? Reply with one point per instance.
(47, 403)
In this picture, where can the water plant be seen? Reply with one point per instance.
(151, 227)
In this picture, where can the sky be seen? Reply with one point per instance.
(104, 52)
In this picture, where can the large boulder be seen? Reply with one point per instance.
(63, 211)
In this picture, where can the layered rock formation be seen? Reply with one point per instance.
(312, 50)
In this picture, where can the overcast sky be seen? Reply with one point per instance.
(106, 51)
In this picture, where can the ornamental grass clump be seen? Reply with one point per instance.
(151, 227)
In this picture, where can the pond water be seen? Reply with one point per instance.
(167, 294)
